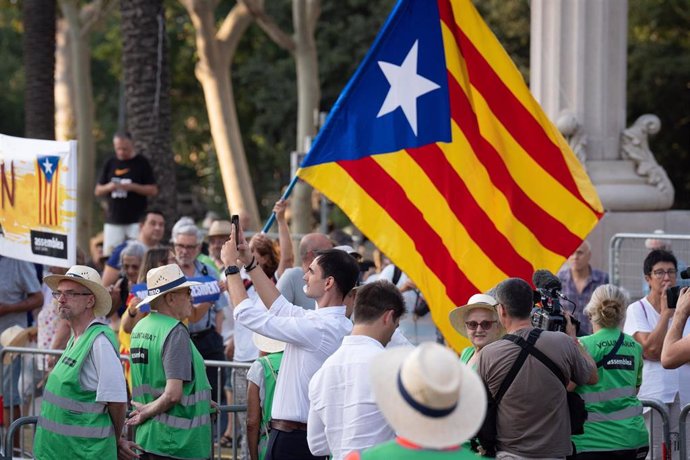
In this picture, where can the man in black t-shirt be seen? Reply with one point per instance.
(126, 180)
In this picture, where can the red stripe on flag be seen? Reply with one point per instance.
(524, 128)
(551, 233)
(477, 223)
(39, 174)
(391, 196)
(55, 197)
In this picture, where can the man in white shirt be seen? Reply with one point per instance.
(343, 415)
(648, 320)
(311, 336)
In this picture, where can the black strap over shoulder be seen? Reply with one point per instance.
(517, 365)
(529, 346)
(613, 351)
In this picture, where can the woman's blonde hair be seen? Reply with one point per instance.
(606, 308)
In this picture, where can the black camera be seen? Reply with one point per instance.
(549, 316)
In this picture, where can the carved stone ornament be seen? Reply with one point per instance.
(571, 128)
(635, 147)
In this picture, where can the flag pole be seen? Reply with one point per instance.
(286, 194)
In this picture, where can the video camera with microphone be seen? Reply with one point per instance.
(549, 316)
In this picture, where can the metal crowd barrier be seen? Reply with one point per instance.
(682, 424)
(231, 409)
(662, 409)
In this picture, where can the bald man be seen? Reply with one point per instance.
(291, 282)
(579, 281)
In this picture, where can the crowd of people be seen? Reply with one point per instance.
(334, 359)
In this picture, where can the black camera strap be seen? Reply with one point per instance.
(517, 365)
(528, 345)
(613, 351)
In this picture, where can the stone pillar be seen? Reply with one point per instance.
(578, 74)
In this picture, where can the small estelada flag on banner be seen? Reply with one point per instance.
(48, 186)
(439, 154)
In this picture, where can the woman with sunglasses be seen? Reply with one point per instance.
(477, 321)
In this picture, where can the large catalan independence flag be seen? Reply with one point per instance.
(438, 152)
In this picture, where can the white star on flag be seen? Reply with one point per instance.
(406, 86)
(48, 166)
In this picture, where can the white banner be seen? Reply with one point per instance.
(38, 200)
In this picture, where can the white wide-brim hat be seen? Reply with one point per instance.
(267, 344)
(162, 280)
(91, 280)
(220, 228)
(16, 336)
(427, 395)
(457, 315)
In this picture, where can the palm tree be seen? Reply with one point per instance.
(147, 93)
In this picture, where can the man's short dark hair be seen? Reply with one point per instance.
(516, 296)
(122, 135)
(341, 266)
(376, 298)
(656, 256)
(145, 216)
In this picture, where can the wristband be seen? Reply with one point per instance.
(251, 265)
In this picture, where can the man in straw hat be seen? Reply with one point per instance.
(433, 402)
(170, 390)
(85, 398)
(311, 336)
(343, 415)
(533, 419)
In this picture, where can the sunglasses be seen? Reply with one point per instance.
(473, 325)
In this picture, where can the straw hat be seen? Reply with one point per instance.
(220, 228)
(457, 316)
(16, 336)
(162, 280)
(427, 395)
(91, 280)
(267, 344)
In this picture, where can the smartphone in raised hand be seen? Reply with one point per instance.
(235, 220)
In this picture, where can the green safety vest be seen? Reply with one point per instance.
(271, 365)
(614, 420)
(396, 449)
(72, 424)
(184, 431)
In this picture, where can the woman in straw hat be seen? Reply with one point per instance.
(615, 428)
(433, 402)
(478, 322)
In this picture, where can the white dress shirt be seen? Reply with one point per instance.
(343, 415)
(311, 336)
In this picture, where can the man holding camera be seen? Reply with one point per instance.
(533, 419)
(648, 321)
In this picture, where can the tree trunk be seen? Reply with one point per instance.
(147, 91)
(39, 68)
(305, 14)
(216, 51)
(65, 118)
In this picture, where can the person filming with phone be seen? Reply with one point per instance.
(676, 350)
(648, 321)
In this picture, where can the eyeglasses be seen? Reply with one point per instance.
(188, 247)
(68, 294)
(473, 325)
(671, 272)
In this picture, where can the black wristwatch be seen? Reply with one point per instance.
(232, 270)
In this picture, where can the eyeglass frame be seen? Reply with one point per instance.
(480, 323)
(68, 294)
(659, 274)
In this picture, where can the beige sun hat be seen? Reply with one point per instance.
(91, 280)
(457, 315)
(16, 336)
(162, 280)
(267, 344)
(427, 395)
(220, 228)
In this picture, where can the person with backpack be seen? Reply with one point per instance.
(527, 372)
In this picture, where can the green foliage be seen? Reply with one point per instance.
(659, 83)
(11, 69)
